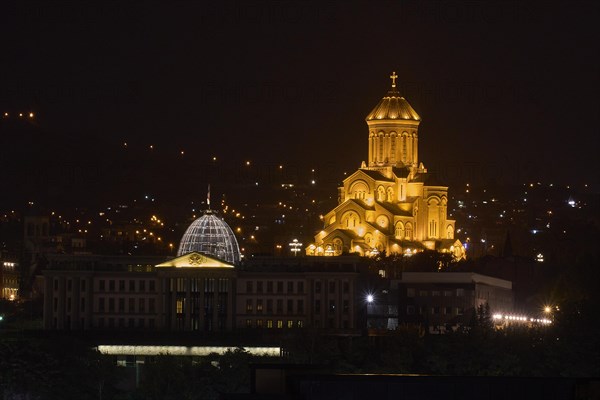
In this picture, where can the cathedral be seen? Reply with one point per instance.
(391, 203)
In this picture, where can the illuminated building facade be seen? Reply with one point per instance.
(9, 279)
(390, 203)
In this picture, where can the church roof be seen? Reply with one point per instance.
(394, 209)
(393, 106)
(401, 172)
(378, 176)
(429, 179)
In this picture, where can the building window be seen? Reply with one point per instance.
(249, 287)
(121, 305)
(121, 285)
(69, 284)
(259, 323)
(410, 310)
(269, 323)
(435, 310)
(152, 305)
(346, 307)
(290, 306)
(111, 285)
(152, 286)
(423, 293)
(279, 287)
(179, 306)
(290, 324)
(331, 287)
(259, 306)
(331, 306)
(410, 292)
(82, 304)
(100, 304)
(317, 306)
(248, 323)
(269, 286)
(447, 293)
(279, 324)
(269, 306)
(459, 311)
(448, 310)
(131, 286)
(82, 285)
(300, 287)
(435, 293)
(460, 292)
(346, 287)
(143, 285)
(142, 305)
(279, 306)
(290, 287)
(131, 305)
(300, 308)
(56, 284)
(259, 287)
(101, 284)
(151, 323)
(111, 305)
(131, 323)
(249, 305)
(317, 287)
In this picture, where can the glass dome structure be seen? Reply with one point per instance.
(212, 236)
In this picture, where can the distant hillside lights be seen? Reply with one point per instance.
(22, 115)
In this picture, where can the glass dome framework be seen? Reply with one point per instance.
(212, 236)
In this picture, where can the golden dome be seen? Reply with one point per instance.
(393, 106)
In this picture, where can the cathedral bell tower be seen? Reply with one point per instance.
(393, 131)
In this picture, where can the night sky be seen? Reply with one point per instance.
(507, 91)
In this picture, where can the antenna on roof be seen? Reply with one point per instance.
(208, 197)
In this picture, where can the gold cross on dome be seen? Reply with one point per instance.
(393, 76)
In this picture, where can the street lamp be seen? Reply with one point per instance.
(295, 246)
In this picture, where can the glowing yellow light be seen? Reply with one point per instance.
(6, 114)
(30, 115)
(247, 162)
(547, 309)
(20, 114)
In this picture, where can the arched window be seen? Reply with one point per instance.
(404, 146)
(393, 147)
(390, 194)
(338, 246)
(399, 230)
(350, 220)
(358, 190)
(449, 232)
(380, 158)
(408, 231)
(433, 228)
(380, 193)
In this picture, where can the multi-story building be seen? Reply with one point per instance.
(9, 279)
(442, 300)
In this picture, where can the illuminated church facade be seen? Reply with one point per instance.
(390, 203)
